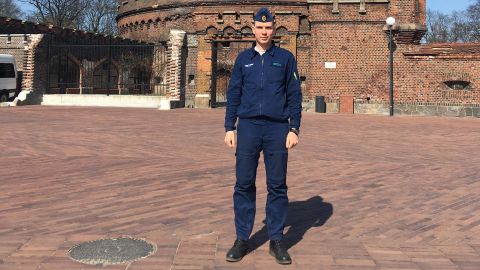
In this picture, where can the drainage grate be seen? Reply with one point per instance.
(112, 251)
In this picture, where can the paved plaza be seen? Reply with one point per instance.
(366, 192)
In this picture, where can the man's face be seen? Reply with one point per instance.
(264, 32)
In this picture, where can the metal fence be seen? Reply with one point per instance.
(107, 69)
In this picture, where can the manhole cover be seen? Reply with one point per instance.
(111, 251)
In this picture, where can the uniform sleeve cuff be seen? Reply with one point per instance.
(297, 127)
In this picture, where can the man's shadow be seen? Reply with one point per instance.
(302, 215)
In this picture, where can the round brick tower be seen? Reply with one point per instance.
(202, 38)
(341, 46)
(152, 20)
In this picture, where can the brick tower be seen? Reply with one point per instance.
(341, 45)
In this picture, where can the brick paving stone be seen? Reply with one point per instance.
(366, 192)
(18, 266)
(386, 264)
(196, 252)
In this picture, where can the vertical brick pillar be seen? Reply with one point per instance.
(291, 43)
(34, 72)
(204, 72)
(29, 67)
(421, 11)
(175, 49)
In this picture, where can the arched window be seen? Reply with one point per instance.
(458, 85)
(139, 79)
(247, 31)
(211, 31)
(281, 31)
(228, 31)
(64, 73)
(100, 76)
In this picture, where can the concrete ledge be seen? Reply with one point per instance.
(157, 102)
(382, 108)
(419, 109)
(331, 107)
(372, 108)
(202, 101)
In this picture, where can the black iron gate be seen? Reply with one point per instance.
(224, 54)
(111, 69)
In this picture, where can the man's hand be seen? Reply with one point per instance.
(230, 139)
(292, 140)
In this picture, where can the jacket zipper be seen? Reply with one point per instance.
(261, 87)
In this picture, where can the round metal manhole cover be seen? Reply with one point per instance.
(112, 251)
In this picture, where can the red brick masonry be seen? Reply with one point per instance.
(351, 34)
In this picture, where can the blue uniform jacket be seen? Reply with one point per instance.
(265, 86)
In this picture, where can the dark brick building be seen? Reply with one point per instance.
(341, 47)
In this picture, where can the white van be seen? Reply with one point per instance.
(8, 77)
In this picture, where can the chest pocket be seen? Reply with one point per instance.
(249, 76)
(276, 73)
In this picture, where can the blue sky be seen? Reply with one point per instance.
(447, 6)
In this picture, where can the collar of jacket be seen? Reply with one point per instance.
(270, 50)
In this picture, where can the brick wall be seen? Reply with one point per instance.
(29, 58)
(349, 36)
(191, 86)
(360, 53)
(204, 66)
(15, 45)
(423, 80)
(352, 37)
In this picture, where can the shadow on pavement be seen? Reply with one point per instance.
(302, 215)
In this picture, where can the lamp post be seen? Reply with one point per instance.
(390, 22)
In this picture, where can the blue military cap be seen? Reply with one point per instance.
(264, 15)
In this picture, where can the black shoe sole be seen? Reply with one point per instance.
(228, 259)
(278, 261)
(233, 260)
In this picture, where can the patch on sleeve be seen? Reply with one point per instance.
(295, 75)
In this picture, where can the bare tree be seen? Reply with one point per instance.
(100, 16)
(8, 8)
(91, 15)
(63, 13)
(473, 13)
(459, 28)
(438, 25)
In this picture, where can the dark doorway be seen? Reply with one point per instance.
(224, 54)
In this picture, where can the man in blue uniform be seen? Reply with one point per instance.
(264, 94)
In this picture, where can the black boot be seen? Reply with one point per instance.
(238, 251)
(279, 252)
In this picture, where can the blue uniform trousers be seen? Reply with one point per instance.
(254, 136)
